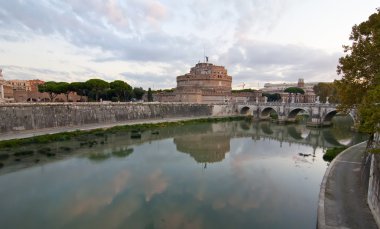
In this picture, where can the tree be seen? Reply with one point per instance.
(370, 110)
(294, 90)
(97, 86)
(360, 71)
(64, 88)
(150, 95)
(272, 97)
(52, 88)
(121, 89)
(80, 88)
(324, 90)
(138, 92)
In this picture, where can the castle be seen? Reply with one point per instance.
(206, 83)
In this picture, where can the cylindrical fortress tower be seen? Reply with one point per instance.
(205, 79)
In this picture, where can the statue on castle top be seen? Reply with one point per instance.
(327, 100)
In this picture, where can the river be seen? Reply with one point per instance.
(235, 174)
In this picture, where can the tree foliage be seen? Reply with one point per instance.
(324, 90)
(121, 89)
(97, 86)
(272, 97)
(294, 90)
(53, 88)
(80, 88)
(150, 95)
(138, 93)
(360, 71)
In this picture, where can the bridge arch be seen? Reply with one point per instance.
(294, 112)
(329, 116)
(245, 111)
(327, 119)
(266, 112)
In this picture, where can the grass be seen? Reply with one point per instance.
(65, 148)
(24, 153)
(122, 153)
(99, 156)
(375, 150)
(44, 150)
(332, 153)
(81, 135)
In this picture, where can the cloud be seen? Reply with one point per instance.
(156, 32)
(257, 60)
(28, 73)
(124, 29)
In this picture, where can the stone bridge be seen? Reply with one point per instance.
(320, 114)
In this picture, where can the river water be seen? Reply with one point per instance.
(209, 175)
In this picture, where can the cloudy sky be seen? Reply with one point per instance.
(149, 42)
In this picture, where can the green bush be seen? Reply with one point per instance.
(332, 153)
(24, 153)
(122, 153)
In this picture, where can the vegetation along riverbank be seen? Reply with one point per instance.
(134, 128)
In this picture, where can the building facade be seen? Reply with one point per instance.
(20, 91)
(308, 97)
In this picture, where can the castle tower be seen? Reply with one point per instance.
(205, 83)
(301, 83)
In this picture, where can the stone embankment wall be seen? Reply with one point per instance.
(18, 117)
(374, 182)
(374, 188)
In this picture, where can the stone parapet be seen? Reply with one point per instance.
(34, 116)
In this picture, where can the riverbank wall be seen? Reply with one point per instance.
(349, 198)
(16, 118)
(374, 180)
(374, 188)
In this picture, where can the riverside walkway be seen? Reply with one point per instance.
(343, 197)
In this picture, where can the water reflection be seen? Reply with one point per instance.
(256, 177)
(206, 143)
(204, 147)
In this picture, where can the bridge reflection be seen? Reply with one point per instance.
(212, 145)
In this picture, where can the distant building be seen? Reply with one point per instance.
(1, 75)
(20, 91)
(280, 87)
(308, 97)
(6, 90)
